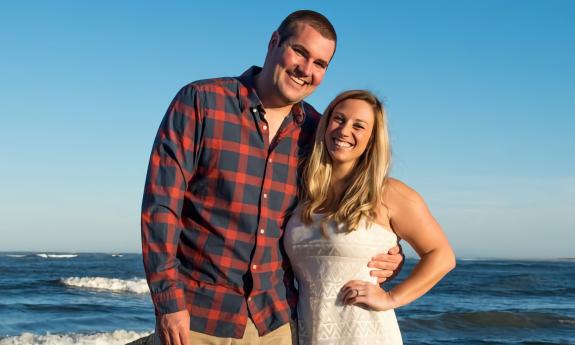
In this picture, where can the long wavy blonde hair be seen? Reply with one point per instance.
(366, 184)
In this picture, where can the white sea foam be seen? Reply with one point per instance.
(56, 256)
(16, 255)
(134, 285)
(118, 337)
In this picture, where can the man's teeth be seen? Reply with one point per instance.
(298, 81)
(340, 143)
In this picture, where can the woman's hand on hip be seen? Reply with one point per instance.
(372, 295)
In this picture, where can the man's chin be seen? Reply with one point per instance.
(294, 98)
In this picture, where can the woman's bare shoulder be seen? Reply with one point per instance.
(397, 191)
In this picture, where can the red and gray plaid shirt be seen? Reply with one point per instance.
(215, 201)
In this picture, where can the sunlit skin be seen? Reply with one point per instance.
(294, 69)
(347, 134)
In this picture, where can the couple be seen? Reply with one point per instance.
(219, 201)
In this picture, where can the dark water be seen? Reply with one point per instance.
(102, 299)
(495, 302)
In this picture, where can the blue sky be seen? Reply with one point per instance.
(478, 96)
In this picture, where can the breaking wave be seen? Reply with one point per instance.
(134, 285)
(118, 337)
(56, 256)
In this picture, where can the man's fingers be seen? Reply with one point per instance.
(394, 250)
(174, 328)
(381, 273)
(184, 333)
(382, 265)
(184, 337)
(395, 258)
(165, 337)
(175, 337)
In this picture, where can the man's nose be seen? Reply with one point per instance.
(306, 67)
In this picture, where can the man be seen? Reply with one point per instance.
(222, 178)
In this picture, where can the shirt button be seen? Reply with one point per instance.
(254, 110)
(265, 128)
(254, 267)
(265, 196)
(249, 299)
(262, 231)
(269, 160)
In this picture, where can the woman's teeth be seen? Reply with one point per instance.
(340, 143)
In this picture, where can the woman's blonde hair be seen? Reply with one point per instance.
(366, 182)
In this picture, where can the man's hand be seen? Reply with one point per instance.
(174, 328)
(387, 265)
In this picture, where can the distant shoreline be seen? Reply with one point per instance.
(46, 252)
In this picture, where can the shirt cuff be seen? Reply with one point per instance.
(169, 301)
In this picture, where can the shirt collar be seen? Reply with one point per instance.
(248, 80)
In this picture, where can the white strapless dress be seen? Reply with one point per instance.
(322, 265)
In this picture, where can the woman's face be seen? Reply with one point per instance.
(348, 132)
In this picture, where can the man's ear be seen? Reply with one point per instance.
(274, 40)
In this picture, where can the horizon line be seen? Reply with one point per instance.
(473, 258)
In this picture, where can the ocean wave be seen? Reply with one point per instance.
(492, 319)
(56, 256)
(15, 255)
(134, 285)
(118, 337)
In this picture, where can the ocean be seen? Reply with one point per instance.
(93, 299)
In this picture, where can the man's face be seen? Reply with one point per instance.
(299, 64)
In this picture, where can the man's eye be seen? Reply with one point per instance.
(298, 52)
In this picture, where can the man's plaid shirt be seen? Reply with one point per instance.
(215, 199)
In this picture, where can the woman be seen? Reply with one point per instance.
(350, 210)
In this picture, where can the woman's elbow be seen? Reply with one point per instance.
(449, 260)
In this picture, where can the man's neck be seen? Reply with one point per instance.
(273, 107)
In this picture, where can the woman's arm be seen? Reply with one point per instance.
(411, 220)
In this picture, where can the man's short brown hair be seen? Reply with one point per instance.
(316, 20)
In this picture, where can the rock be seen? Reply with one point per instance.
(149, 340)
